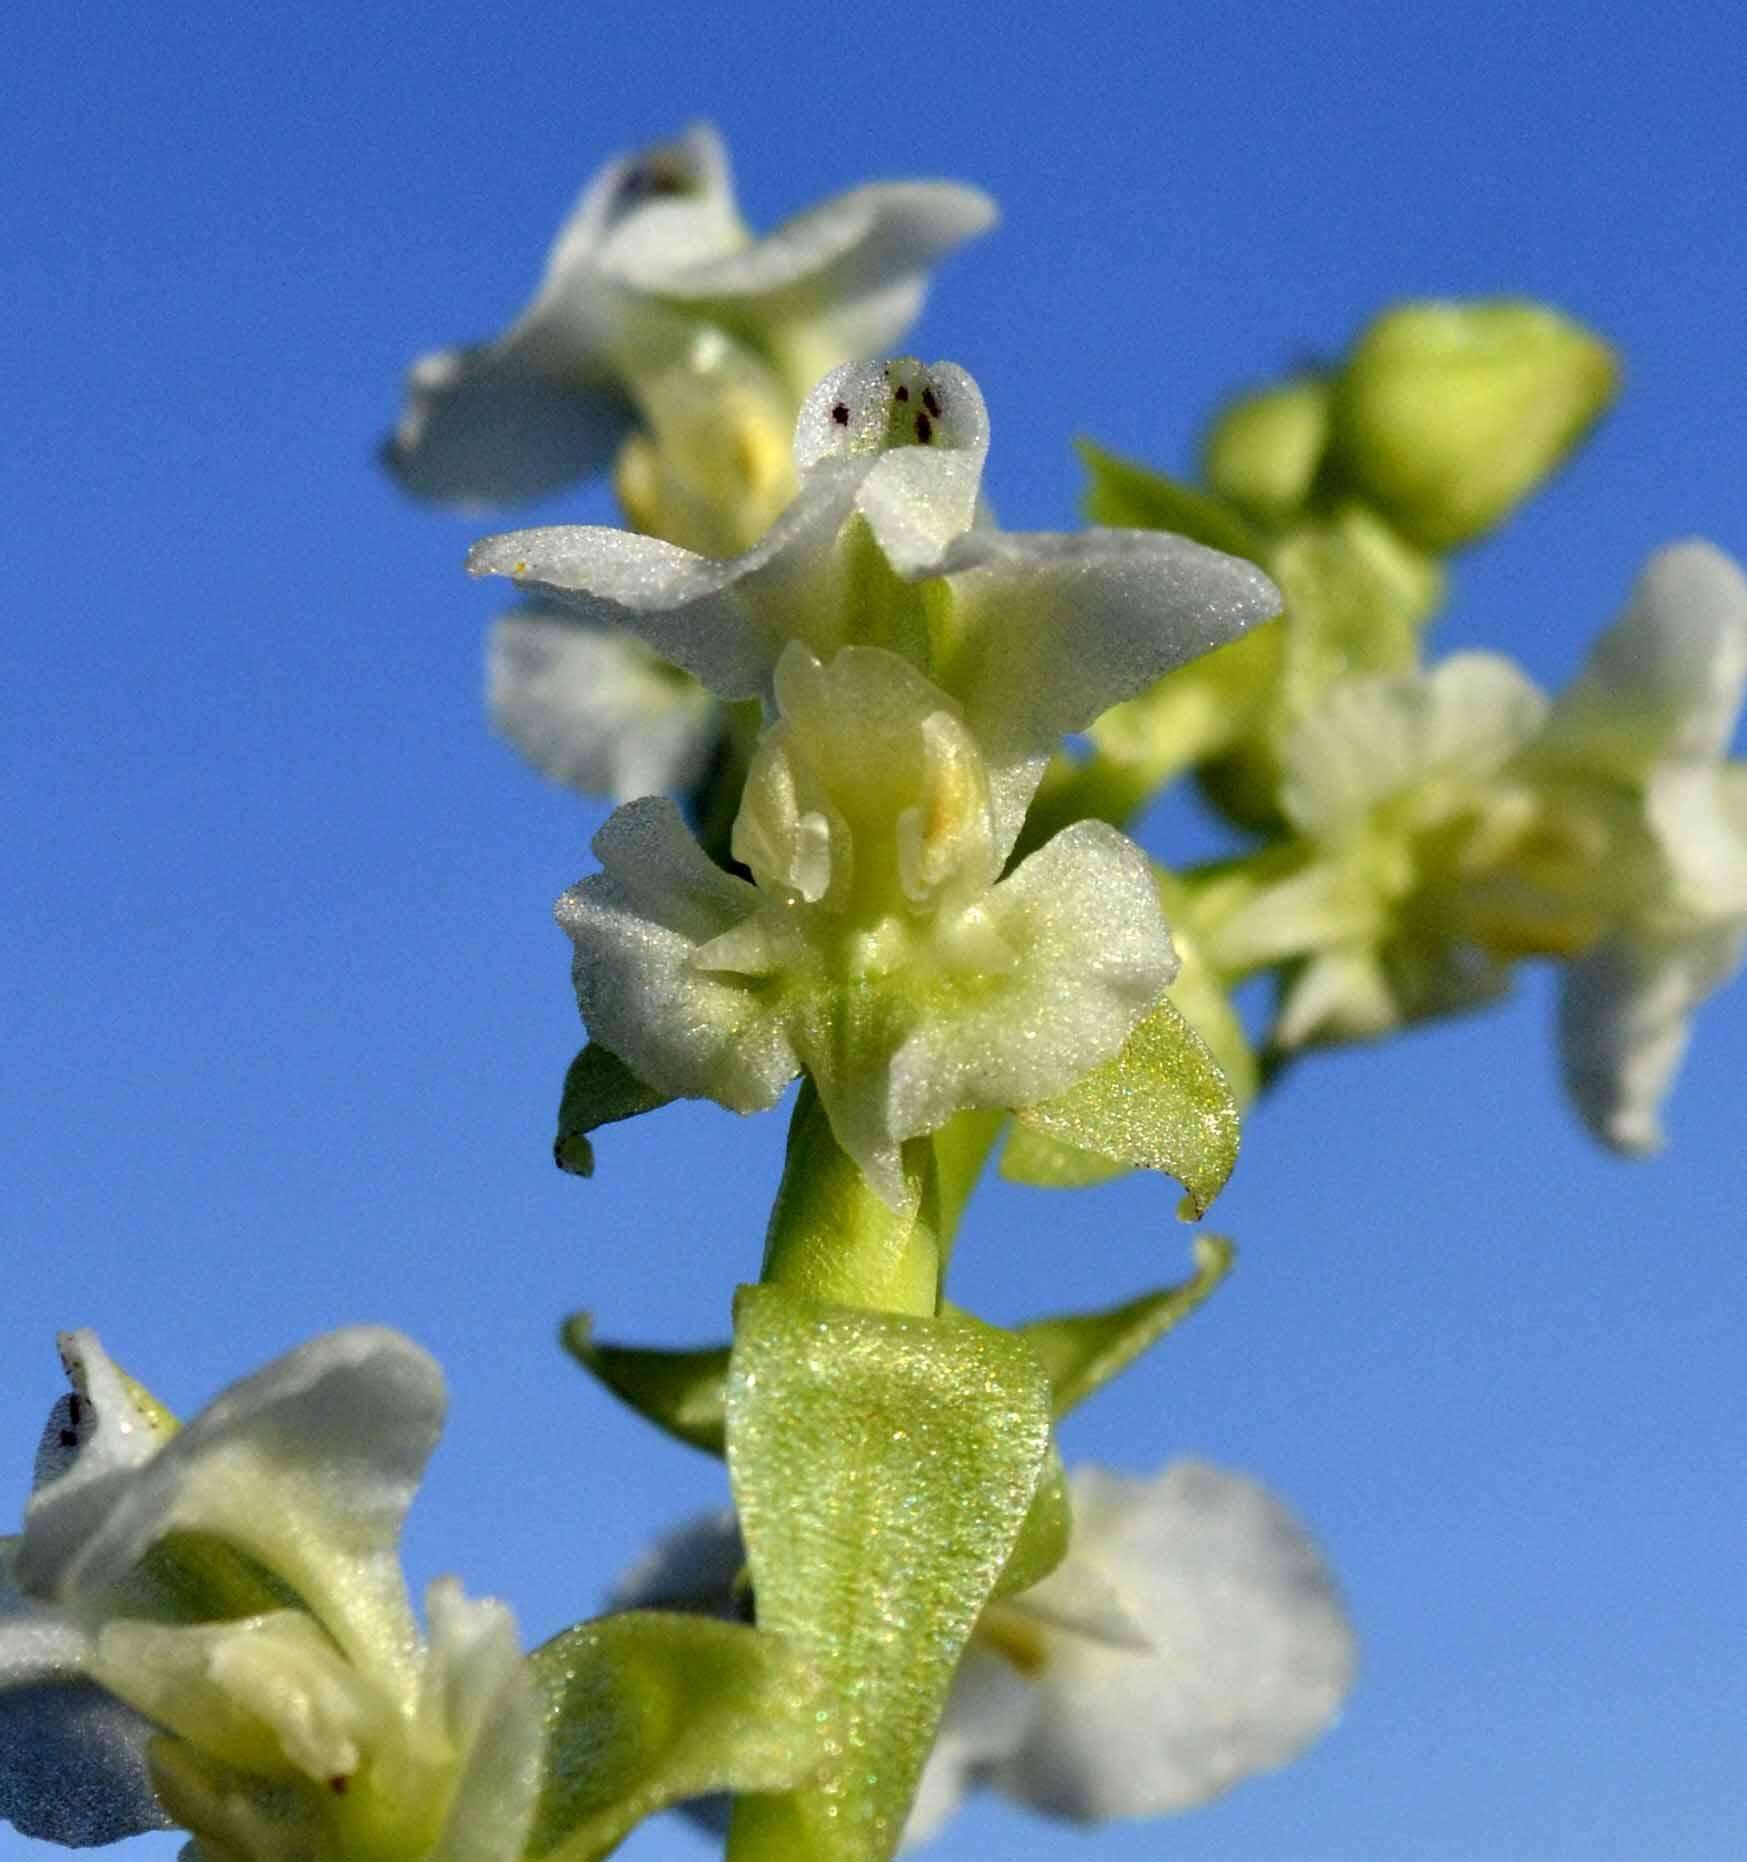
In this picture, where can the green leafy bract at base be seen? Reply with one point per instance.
(1083, 1351)
(1160, 1104)
(883, 1466)
(647, 1708)
(599, 1089)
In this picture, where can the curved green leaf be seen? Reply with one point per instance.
(1082, 1351)
(647, 1708)
(679, 1391)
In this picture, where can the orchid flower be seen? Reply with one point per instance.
(878, 948)
(661, 312)
(1030, 635)
(233, 1589)
(1394, 785)
(1192, 1637)
(1654, 824)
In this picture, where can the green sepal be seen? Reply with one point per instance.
(1130, 496)
(1082, 1351)
(883, 1466)
(679, 1391)
(1045, 1163)
(599, 1089)
(1160, 1104)
(646, 1708)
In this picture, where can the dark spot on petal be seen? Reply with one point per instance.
(840, 413)
(75, 1409)
(339, 1784)
(69, 1438)
(930, 402)
(902, 394)
(924, 428)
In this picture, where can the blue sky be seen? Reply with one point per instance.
(285, 1010)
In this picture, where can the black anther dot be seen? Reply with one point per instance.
(840, 413)
(929, 402)
(924, 428)
(903, 393)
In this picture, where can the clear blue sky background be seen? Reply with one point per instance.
(285, 1014)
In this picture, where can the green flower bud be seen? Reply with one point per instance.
(1264, 450)
(1448, 415)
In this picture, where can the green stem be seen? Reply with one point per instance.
(832, 1238)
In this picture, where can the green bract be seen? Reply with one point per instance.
(883, 1467)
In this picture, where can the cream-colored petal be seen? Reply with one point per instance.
(637, 927)
(1051, 630)
(1665, 682)
(1625, 1012)
(1081, 915)
(1374, 739)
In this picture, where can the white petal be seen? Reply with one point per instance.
(1056, 629)
(1082, 915)
(309, 1465)
(636, 927)
(844, 279)
(593, 709)
(922, 432)
(484, 427)
(101, 1427)
(1666, 680)
(724, 622)
(490, 1715)
(1700, 831)
(1375, 738)
(1252, 1650)
(1624, 1023)
(652, 215)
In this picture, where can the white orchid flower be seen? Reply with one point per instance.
(1191, 1638)
(660, 309)
(1395, 786)
(878, 948)
(1031, 636)
(319, 1724)
(1636, 749)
